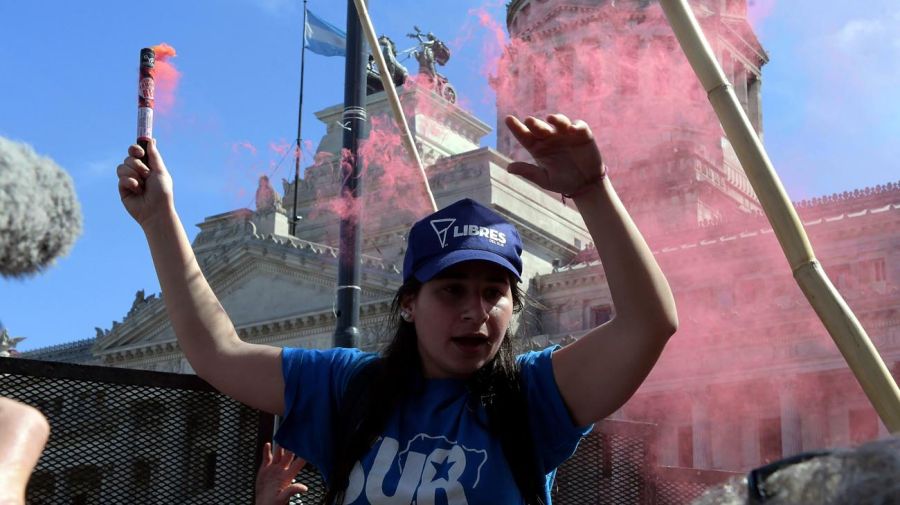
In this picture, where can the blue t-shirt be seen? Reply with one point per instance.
(435, 450)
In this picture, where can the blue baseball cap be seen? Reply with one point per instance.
(463, 231)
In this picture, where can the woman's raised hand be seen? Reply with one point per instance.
(145, 189)
(566, 156)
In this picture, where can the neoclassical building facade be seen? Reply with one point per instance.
(751, 374)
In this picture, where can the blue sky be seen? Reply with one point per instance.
(68, 81)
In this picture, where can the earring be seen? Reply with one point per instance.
(406, 315)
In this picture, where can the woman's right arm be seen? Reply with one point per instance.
(249, 373)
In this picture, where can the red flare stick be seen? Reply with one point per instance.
(145, 99)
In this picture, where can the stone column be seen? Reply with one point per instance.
(586, 314)
(700, 421)
(838, 425)
(754, 103)
(790, 418)
(740, 85)
(814, 424)
(725, 449)
(667, 447)
(750, 440)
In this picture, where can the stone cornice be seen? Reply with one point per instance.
(791, 355)
(582, 16)
(562, 249)
(492, 155)
(736, 375)
(752, 46)
(570, 277)
(273, 331)
(155, 351)
(480, 167)
(150, 315)
(229, 262)
(387, 236)
(878, 195)
(66, 347)
(452, 116)
(849, 223)
(450, 172)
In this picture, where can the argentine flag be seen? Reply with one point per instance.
(324, 38)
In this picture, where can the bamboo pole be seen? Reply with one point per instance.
(393, 99)
(846, 331)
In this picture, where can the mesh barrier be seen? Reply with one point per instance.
(676, 486)
(677, 493)
(130, 436)
(611, 465)
(311, 478)
(615, 464)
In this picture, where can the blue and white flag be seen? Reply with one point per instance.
(324, 38)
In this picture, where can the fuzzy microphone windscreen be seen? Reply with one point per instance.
(40, 216)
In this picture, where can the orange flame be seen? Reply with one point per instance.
(166, 76)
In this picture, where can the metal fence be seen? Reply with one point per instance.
(616, 464)
(611, 465)
(677, 486)
(131, 436)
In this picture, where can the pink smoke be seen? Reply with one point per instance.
(281, 147)
(758, 11)
(391, 181)
(493, 44)
(633, 89)
(243, 145)
(619, 68)
(166, 76)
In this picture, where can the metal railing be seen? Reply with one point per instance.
(616, 464)
(132, 436)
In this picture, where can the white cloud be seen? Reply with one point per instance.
(869, 35)
(868, 49)
(858, 32)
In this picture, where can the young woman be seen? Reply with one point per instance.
(446, 415)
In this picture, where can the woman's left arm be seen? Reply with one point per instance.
(599, 372)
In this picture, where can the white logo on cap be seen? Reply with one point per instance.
(440, 227)
(495, 237)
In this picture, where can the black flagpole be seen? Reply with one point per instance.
(346, 334)
(299, 148)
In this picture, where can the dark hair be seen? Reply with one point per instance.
(495, 386)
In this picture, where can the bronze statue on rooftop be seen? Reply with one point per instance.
(429, 52)
(432, 50)
(398, 72)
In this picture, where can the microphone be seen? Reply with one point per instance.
(40, 216)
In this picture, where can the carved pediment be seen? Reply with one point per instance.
(269, 294)
(265, 280)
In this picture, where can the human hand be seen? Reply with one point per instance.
(275, 479)
(146, 191)
(566, 155)
(23, 434)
